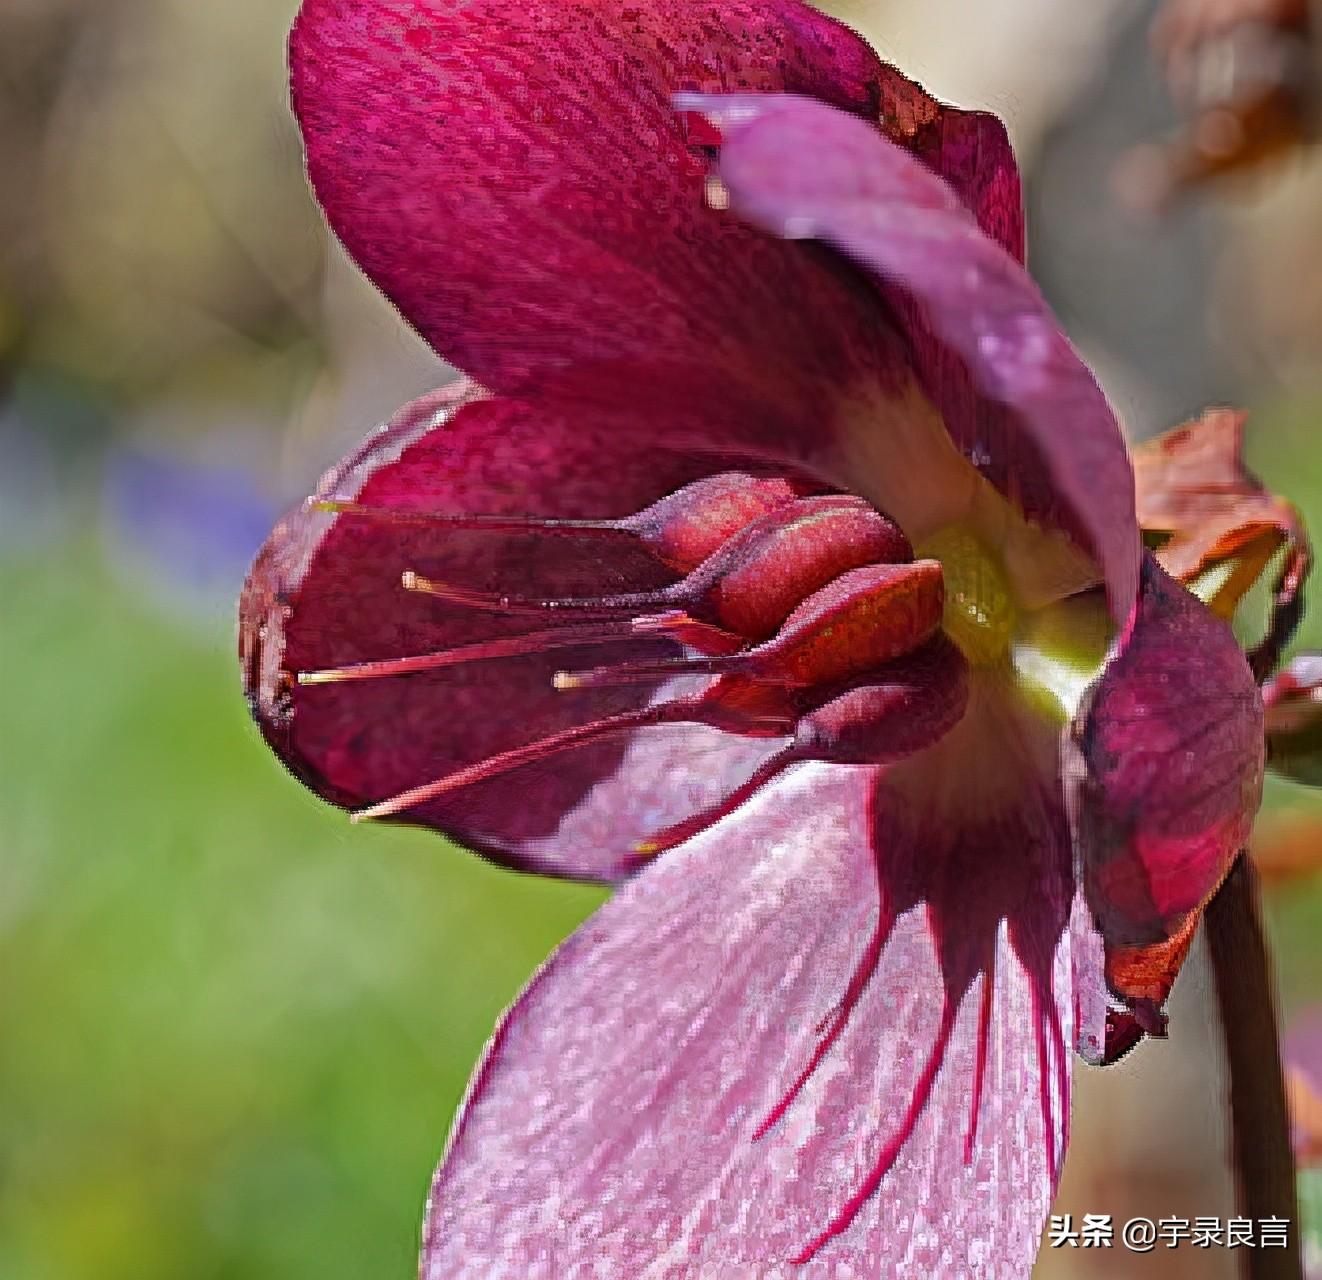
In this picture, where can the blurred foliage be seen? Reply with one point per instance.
(232, 1029)
(1281, 446)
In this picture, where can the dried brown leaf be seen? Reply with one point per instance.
(1194, 487)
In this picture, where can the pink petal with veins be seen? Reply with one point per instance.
(445, 138)
(826, 1038)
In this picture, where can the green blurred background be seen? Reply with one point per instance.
(232, 1028)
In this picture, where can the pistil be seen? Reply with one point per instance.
(732, 705)
(980, 613)
(672, 626)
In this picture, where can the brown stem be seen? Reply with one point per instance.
(1260, 1126)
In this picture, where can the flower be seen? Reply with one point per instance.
(781, 564)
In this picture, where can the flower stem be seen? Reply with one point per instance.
(1260, 1127)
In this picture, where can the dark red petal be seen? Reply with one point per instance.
(1014, 395)
(325, 592)
(637, 1111)
(1166, 769)
(515, 179)
(972, 152)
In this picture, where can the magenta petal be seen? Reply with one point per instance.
(1014, 394)
(325, 592)
(781, 1043)
(1167, 766)
(514, 178)
(972, 152)
(444, 139)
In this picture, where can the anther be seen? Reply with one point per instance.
(861, 620)
(750, 585)
(681, 530)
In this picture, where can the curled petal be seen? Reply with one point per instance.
(325, 592)
(1165, 775)
(1192, 483)
(826, 1037)
(1143, 976)
(969, 149)
(1016, 398)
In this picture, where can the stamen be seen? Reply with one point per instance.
(766, 573)
(750, 585)
(677, 626)
(482, 651)
(726, 705)
(864, 619)
(890, 713)
(887, 715)
(505, 761)
(671, 836)
(463, 520)
(681, 530)
(494, 602)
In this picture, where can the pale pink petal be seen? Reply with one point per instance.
(612, 1128)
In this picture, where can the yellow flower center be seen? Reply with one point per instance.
(980, 613)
